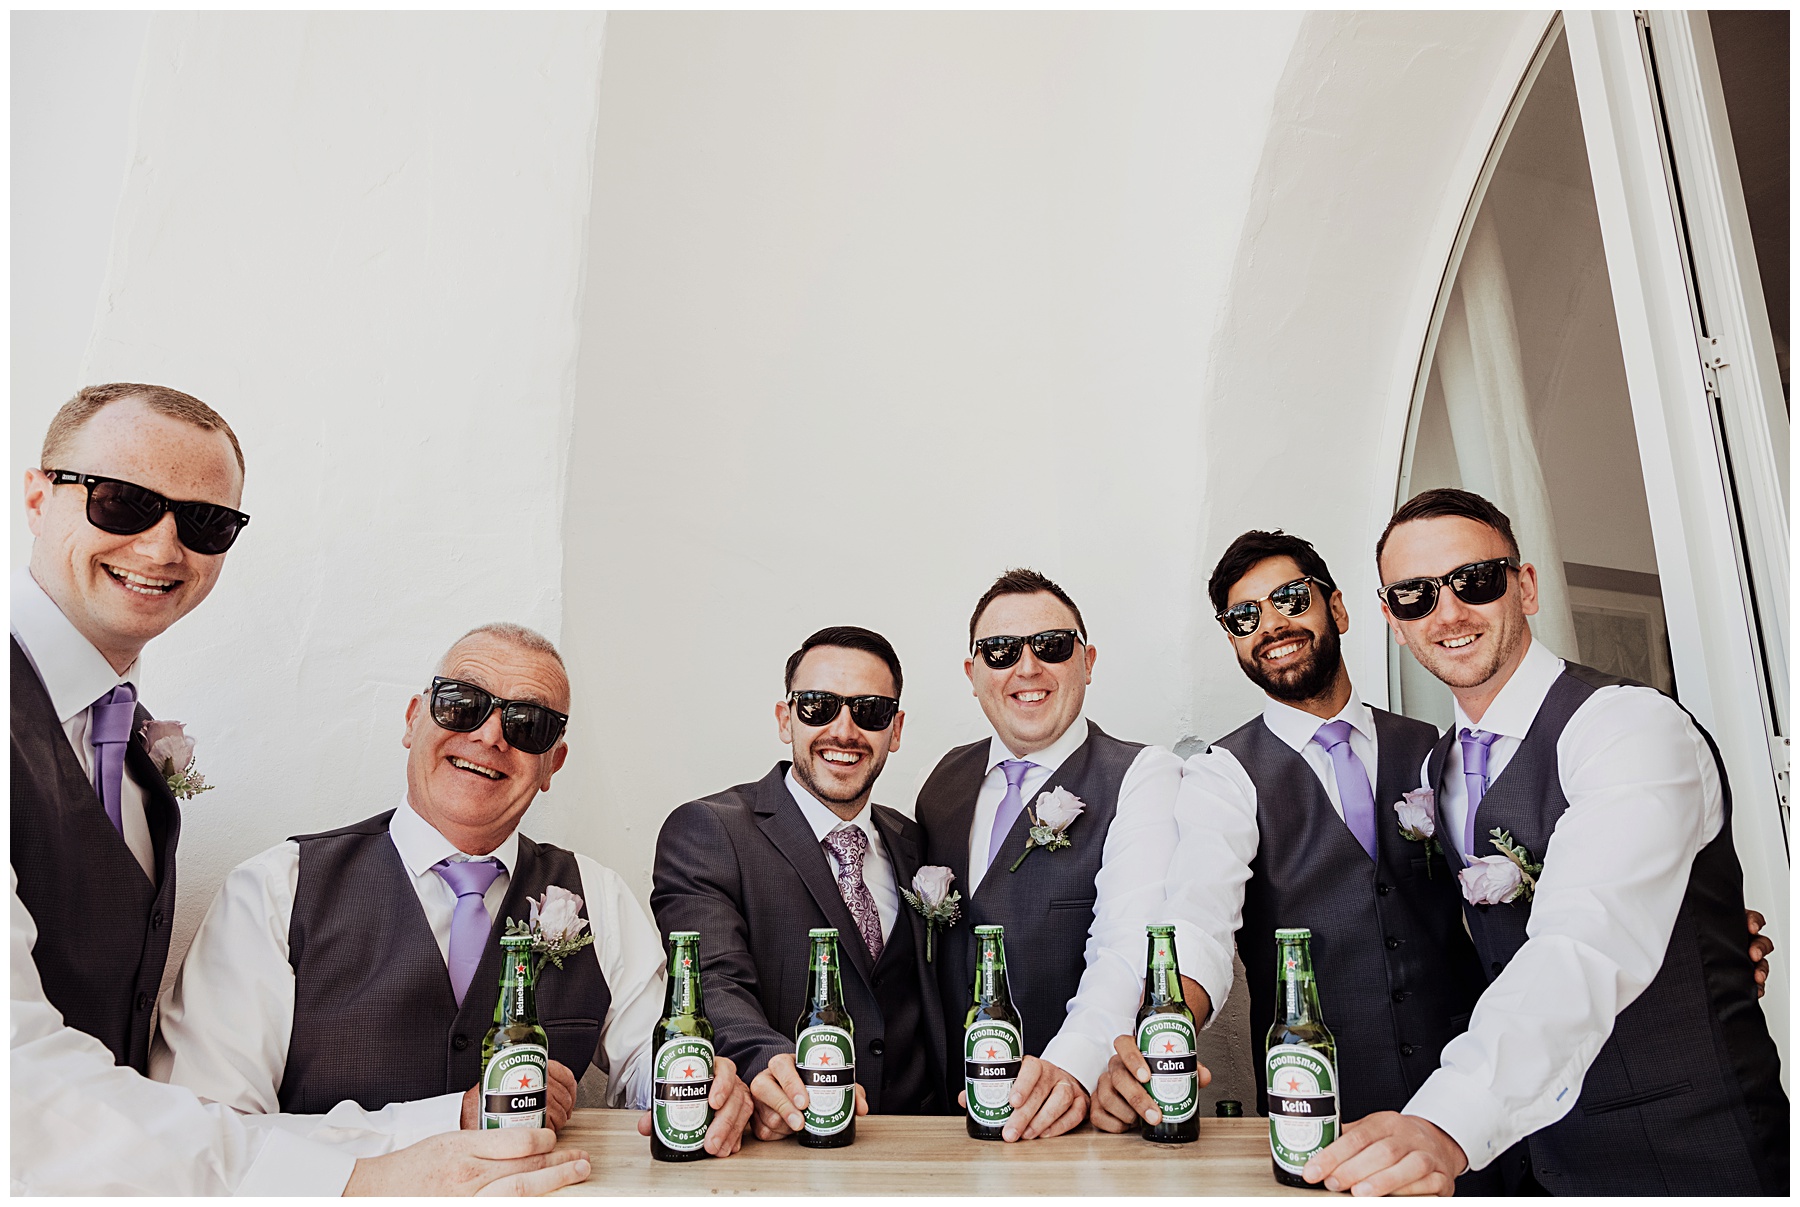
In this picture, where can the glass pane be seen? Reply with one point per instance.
(1525, 402)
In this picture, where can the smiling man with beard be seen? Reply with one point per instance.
(1283, 825)
(754, 867)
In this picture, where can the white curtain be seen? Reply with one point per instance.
(1490, 423)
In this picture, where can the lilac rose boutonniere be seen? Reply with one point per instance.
(933, 897)
(1417, 816)
(556, 926)
(1501, 879)
(1055, 811)
(173, 753)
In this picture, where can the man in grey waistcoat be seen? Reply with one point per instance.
(1619, 1035)
(1297, 818)
(1074, 908)
(363, 964)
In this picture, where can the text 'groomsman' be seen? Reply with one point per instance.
(1074, 915)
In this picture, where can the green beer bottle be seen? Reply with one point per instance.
(515, 1056)
(1165, 1035)
(825, 1050)
(993, 1040)
(1301, 1069)
(683, 1066)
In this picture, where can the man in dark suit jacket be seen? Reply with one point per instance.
(754, 867)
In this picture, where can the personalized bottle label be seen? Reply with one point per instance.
(827, 1063)
(515, 1087)
(992, 1053)
(1167, 1042)
(684, 1078)
(1303, 1105)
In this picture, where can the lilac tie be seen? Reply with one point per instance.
(109, 729)
(1011, 805)
(469, 925)
(849, 844)
(1475, 743)
(1354, 792)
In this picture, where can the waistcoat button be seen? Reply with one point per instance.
(143, 1001)
(1407, 1049)
(1393, 943)
(876, 1047)
(460, 1042)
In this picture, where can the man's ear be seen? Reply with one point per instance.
(1340, 615)
(1092, 654)
(412, 716)
(37, 497)
(783, 728)
(1528, 589)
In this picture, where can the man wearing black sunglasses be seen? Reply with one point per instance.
(1074, 915)
(1290, 820)
(319, 974)
(1619, 1036)
(754, 867)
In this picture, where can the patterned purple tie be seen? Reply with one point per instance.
(1011, 805)
(469, 925)
(849, 844)
(1475, 743)
(1354, 792)
(109, 729)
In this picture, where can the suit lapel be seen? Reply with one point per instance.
(162, 813)
(1014, 844)
(787, 830)
(903, 853)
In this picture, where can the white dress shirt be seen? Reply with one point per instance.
(878, 869)
(1215, 817)
(1644, 798)
(84, 1125)
(75, 674)
(1128, 891)
(227, 1022)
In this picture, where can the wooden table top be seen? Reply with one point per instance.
(901, 1154)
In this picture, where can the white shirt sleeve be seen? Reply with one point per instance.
(228, 1019)
(1644, 798)
(83, 1125)
(1215, 820)
(631, 960)
(1128, 896)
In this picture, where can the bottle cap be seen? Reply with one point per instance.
(990, 930)
(1293, 932)
(515, 940)
(822, 932)
(1228, 1108)
(676, 936)
(1160, 928)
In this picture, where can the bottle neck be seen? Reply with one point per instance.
(990, 970)
(826, 982)
(1294, 983)
(518, 1002)
(1163, 978)
(684, 981)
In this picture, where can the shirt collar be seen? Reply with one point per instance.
(75, 674)
(1050, 757)
(1516, 707)
(822, 820)
(1296, 726)
(421, 846)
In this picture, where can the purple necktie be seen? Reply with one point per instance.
(1475, 743)
(469, 925)
(1011, 805)
(850, 844)
(109, 729)
(1354, 792)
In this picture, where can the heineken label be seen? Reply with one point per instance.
(1167, 1042)
(1303, 1106)
(680, 1113)
(515, 1087)
(827, 1064)
(992, 1054)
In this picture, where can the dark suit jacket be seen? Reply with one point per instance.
(744, 869)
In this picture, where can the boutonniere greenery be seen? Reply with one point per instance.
(933, 897)
(1501, 879)
(1054, 812)
(1417, 815)
(555, 925)
(173, 753)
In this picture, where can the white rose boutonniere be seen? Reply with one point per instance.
(173, 753)
(1054, 812)
(932, 896)
(1501, 879)
(555, 925)
(1417, 816)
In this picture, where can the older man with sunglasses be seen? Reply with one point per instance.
(754, 867)
(1075, 910)
(1619, 1034)
(363, 964)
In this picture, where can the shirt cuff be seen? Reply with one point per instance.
(411, 1122)
(288, 1165)
(1079, 1057)
(1467, 1112)
(1207, 963)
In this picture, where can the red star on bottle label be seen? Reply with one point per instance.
(688, 1072)
(1293, 1083)
(1168, 1045)
(992, 1051)
(824, 1058)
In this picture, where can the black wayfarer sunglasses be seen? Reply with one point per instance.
(126, 509)
(1051, 645)
(1475, 583)
(819, 709)
(1290, 599)
(463, 708)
